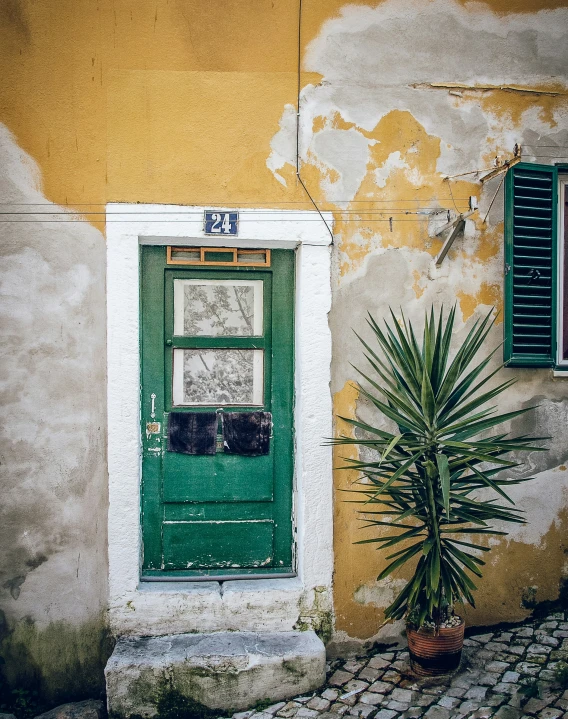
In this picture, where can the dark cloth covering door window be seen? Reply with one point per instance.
(192, 432)
(247, 433)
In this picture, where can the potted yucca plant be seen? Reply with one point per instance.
(421, 484)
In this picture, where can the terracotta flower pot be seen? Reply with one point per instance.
(432, 654)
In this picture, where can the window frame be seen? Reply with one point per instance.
(562, 189)
(559, 173)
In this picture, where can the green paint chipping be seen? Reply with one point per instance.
(219, 514)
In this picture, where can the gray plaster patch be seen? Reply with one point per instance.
(52, 390)
(387, 281)
(346, 151)
(379, 594)
(375, 60)
(517, 48)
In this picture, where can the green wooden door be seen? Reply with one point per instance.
(216, 339)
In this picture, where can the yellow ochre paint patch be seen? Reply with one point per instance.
(353, 564)
(487, 294)
(141, 102)
(356, 565)
(402, 164)
(318, 123)
(418, 289)
(146, 104)
(490, 241)
(511, 567)
(508, 106)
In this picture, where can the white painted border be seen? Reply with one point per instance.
(271, 605)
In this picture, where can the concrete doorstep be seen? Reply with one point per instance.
(222, 670)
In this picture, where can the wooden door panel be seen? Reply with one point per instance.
(218, 514)
(218, 544)
(217, 478)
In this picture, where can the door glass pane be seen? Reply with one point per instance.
(218, 377)
(186, 254)
(217, 308)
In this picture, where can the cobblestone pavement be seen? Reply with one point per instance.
(510, 674)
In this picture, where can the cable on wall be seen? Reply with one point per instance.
(298, 121)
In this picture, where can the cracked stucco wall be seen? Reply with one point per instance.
(410, 93)
(180, 101)
(52, 455)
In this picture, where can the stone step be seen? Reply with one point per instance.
(222, 670)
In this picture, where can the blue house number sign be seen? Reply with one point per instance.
(221, 223)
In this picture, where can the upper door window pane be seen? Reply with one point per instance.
(218, 308)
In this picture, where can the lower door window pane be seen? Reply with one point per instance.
(218, 377)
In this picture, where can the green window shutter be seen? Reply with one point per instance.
(530, 265)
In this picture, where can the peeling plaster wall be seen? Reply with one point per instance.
(187, 102)
(53, 562)
(410, 92)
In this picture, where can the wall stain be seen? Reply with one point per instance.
(61, 662)
(13, 15)
(14, 584)
(402, 163)
(416, 286)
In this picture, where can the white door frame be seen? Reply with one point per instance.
(154, 608)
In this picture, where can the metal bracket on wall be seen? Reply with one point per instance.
(504, 167)
(458, 227)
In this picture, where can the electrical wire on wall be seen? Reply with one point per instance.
(399, 209)
(40, 213)
(298, 175)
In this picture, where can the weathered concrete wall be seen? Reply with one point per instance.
(53, 585)
(186, 101)
(412, 92)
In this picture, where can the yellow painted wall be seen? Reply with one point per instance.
(149, 101)
(164, 101)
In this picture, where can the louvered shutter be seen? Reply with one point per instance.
(530, 266)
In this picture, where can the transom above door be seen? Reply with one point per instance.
(217, 408)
